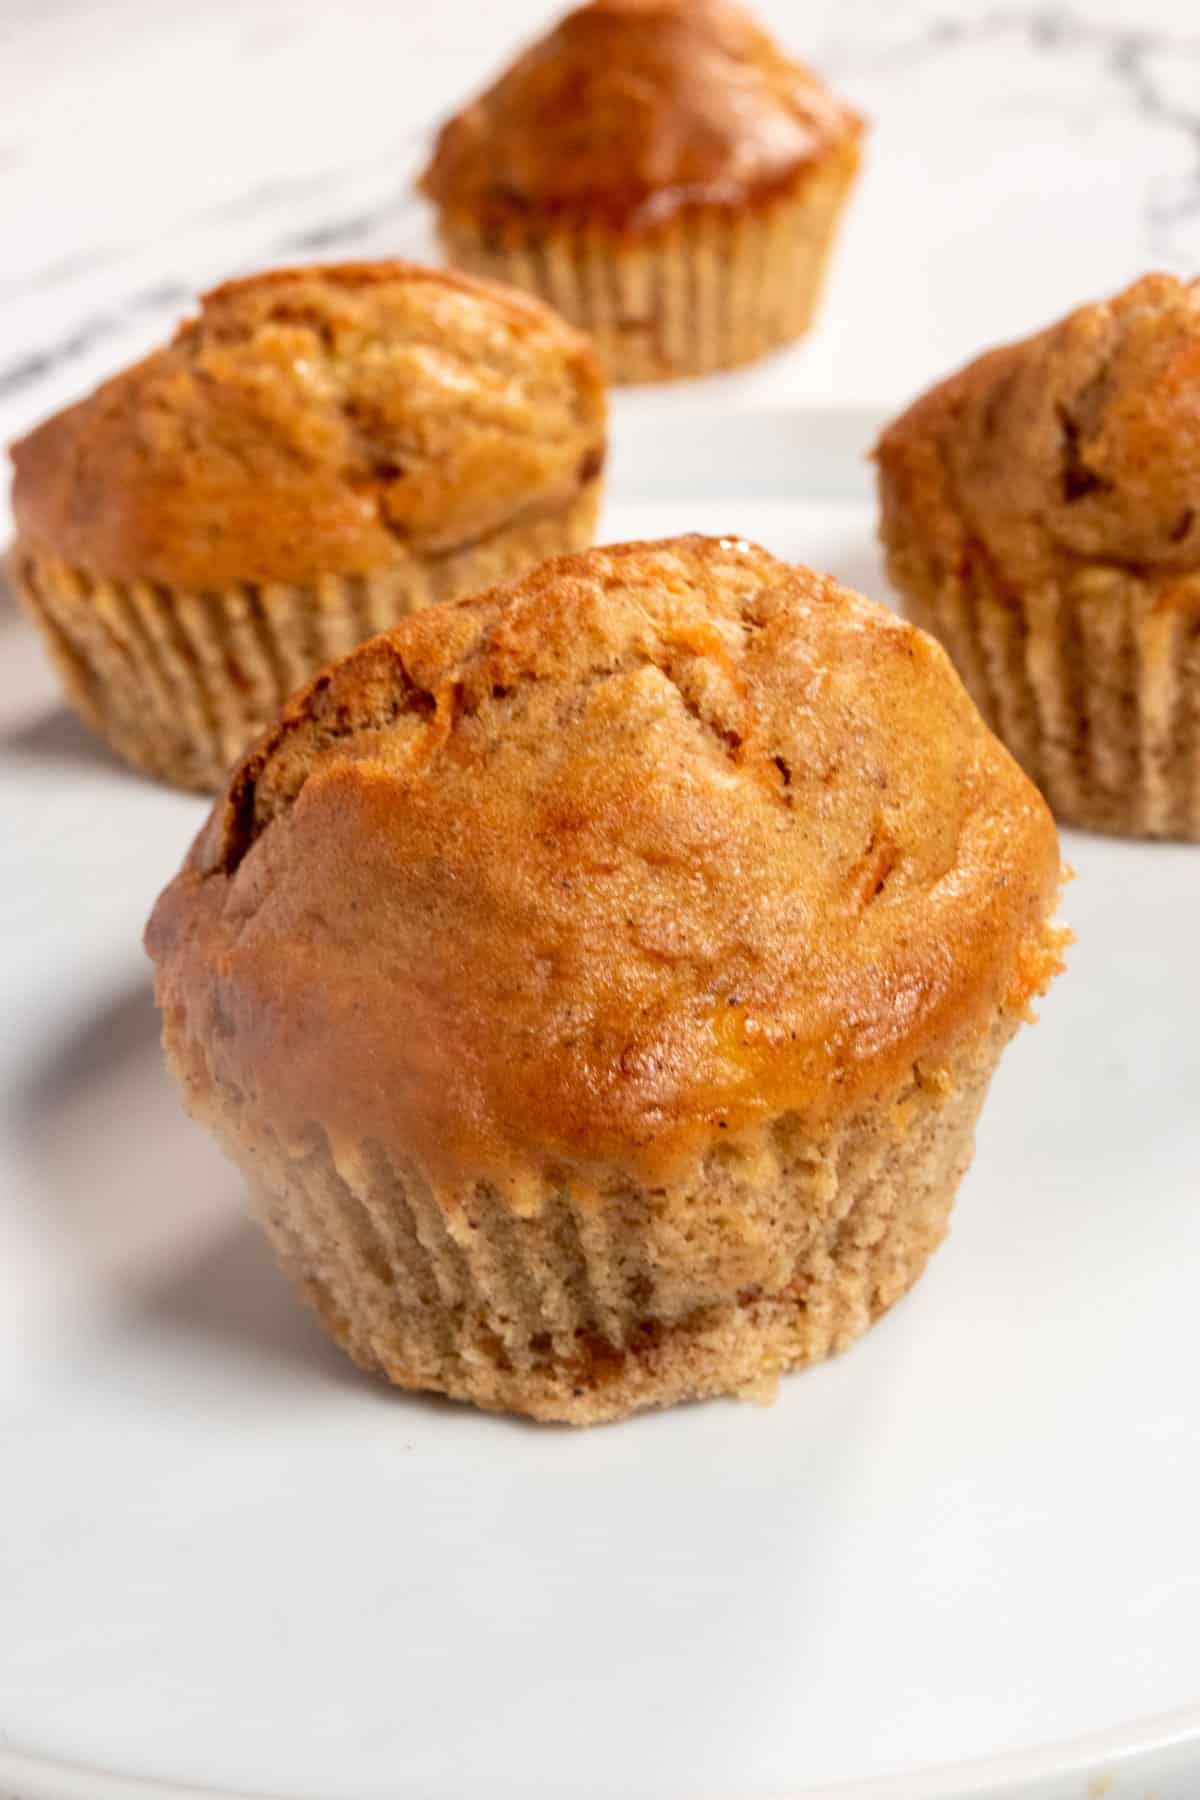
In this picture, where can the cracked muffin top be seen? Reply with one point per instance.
(1079, 445)
(631, 109)
(656, 843)
(321, 421)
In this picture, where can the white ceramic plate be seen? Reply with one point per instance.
(229, 1563)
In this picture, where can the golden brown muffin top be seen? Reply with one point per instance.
(1079, 445)
(631, 109)
(322, 421)
(658, 842)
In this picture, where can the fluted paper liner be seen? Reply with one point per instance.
(1094, 685)
(708, 289)
(585, 1304)
(179, 684)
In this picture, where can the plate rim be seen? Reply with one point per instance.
(1152, 1747)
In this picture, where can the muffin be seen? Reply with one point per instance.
(318, 453)
(598, 980)
(660, 172)
(1041, 514)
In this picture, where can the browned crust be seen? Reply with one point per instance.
(1073, 449)
(653, 844)
(1040, 511)
(354, 276)
(317, 422)
(630, 111)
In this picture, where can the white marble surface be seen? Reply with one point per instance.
(1022, 157)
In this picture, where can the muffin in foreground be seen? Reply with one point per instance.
(317, 453)
(660, 172)
(1041, 514)
(598, 979)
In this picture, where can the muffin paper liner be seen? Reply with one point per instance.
(585, 1304)
(709, 289)
(179, 684)
(1094, 685)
